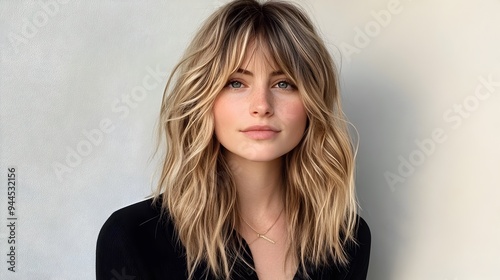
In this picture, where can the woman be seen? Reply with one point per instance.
(257, 180)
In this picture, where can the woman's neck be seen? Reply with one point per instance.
(259, 187)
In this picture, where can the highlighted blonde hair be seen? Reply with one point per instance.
(196, 182)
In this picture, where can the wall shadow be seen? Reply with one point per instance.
(382, 111)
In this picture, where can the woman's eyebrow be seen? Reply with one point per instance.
(246, 72)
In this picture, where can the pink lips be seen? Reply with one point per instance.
(260, 132)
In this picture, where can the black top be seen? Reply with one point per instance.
(135, 243)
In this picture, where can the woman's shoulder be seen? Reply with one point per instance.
(134, 222)
(129, 223)
(363, 233)
(137, 238)
(134, 215)
(359, 251)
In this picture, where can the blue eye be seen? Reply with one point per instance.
(284, 85)
(235, 84)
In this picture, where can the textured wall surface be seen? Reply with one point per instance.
(80, 88)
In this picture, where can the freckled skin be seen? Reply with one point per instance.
(259, 94)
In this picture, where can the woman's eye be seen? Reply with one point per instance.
(284, 85)
(235, 84)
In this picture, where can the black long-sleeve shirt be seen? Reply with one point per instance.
(137, 243)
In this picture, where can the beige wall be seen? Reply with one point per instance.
(81, 81)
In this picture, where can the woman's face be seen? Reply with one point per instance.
(259, 115)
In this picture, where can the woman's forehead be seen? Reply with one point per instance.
(258, 54)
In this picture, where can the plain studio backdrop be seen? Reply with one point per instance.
(80, 89)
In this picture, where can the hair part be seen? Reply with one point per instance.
(196, 182)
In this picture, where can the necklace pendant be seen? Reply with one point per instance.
(266, 238)
(260, 235)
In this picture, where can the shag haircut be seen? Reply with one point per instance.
(196, 182)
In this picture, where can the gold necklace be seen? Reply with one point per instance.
(263, 235)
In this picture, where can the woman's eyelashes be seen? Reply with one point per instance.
(282, 84)
(234, 84)
(285, 84)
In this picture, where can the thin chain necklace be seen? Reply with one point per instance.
(263, 235)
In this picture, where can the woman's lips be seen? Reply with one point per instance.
(260, 132)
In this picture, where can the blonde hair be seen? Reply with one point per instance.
(196, 182)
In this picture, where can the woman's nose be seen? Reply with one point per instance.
(261, 104)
